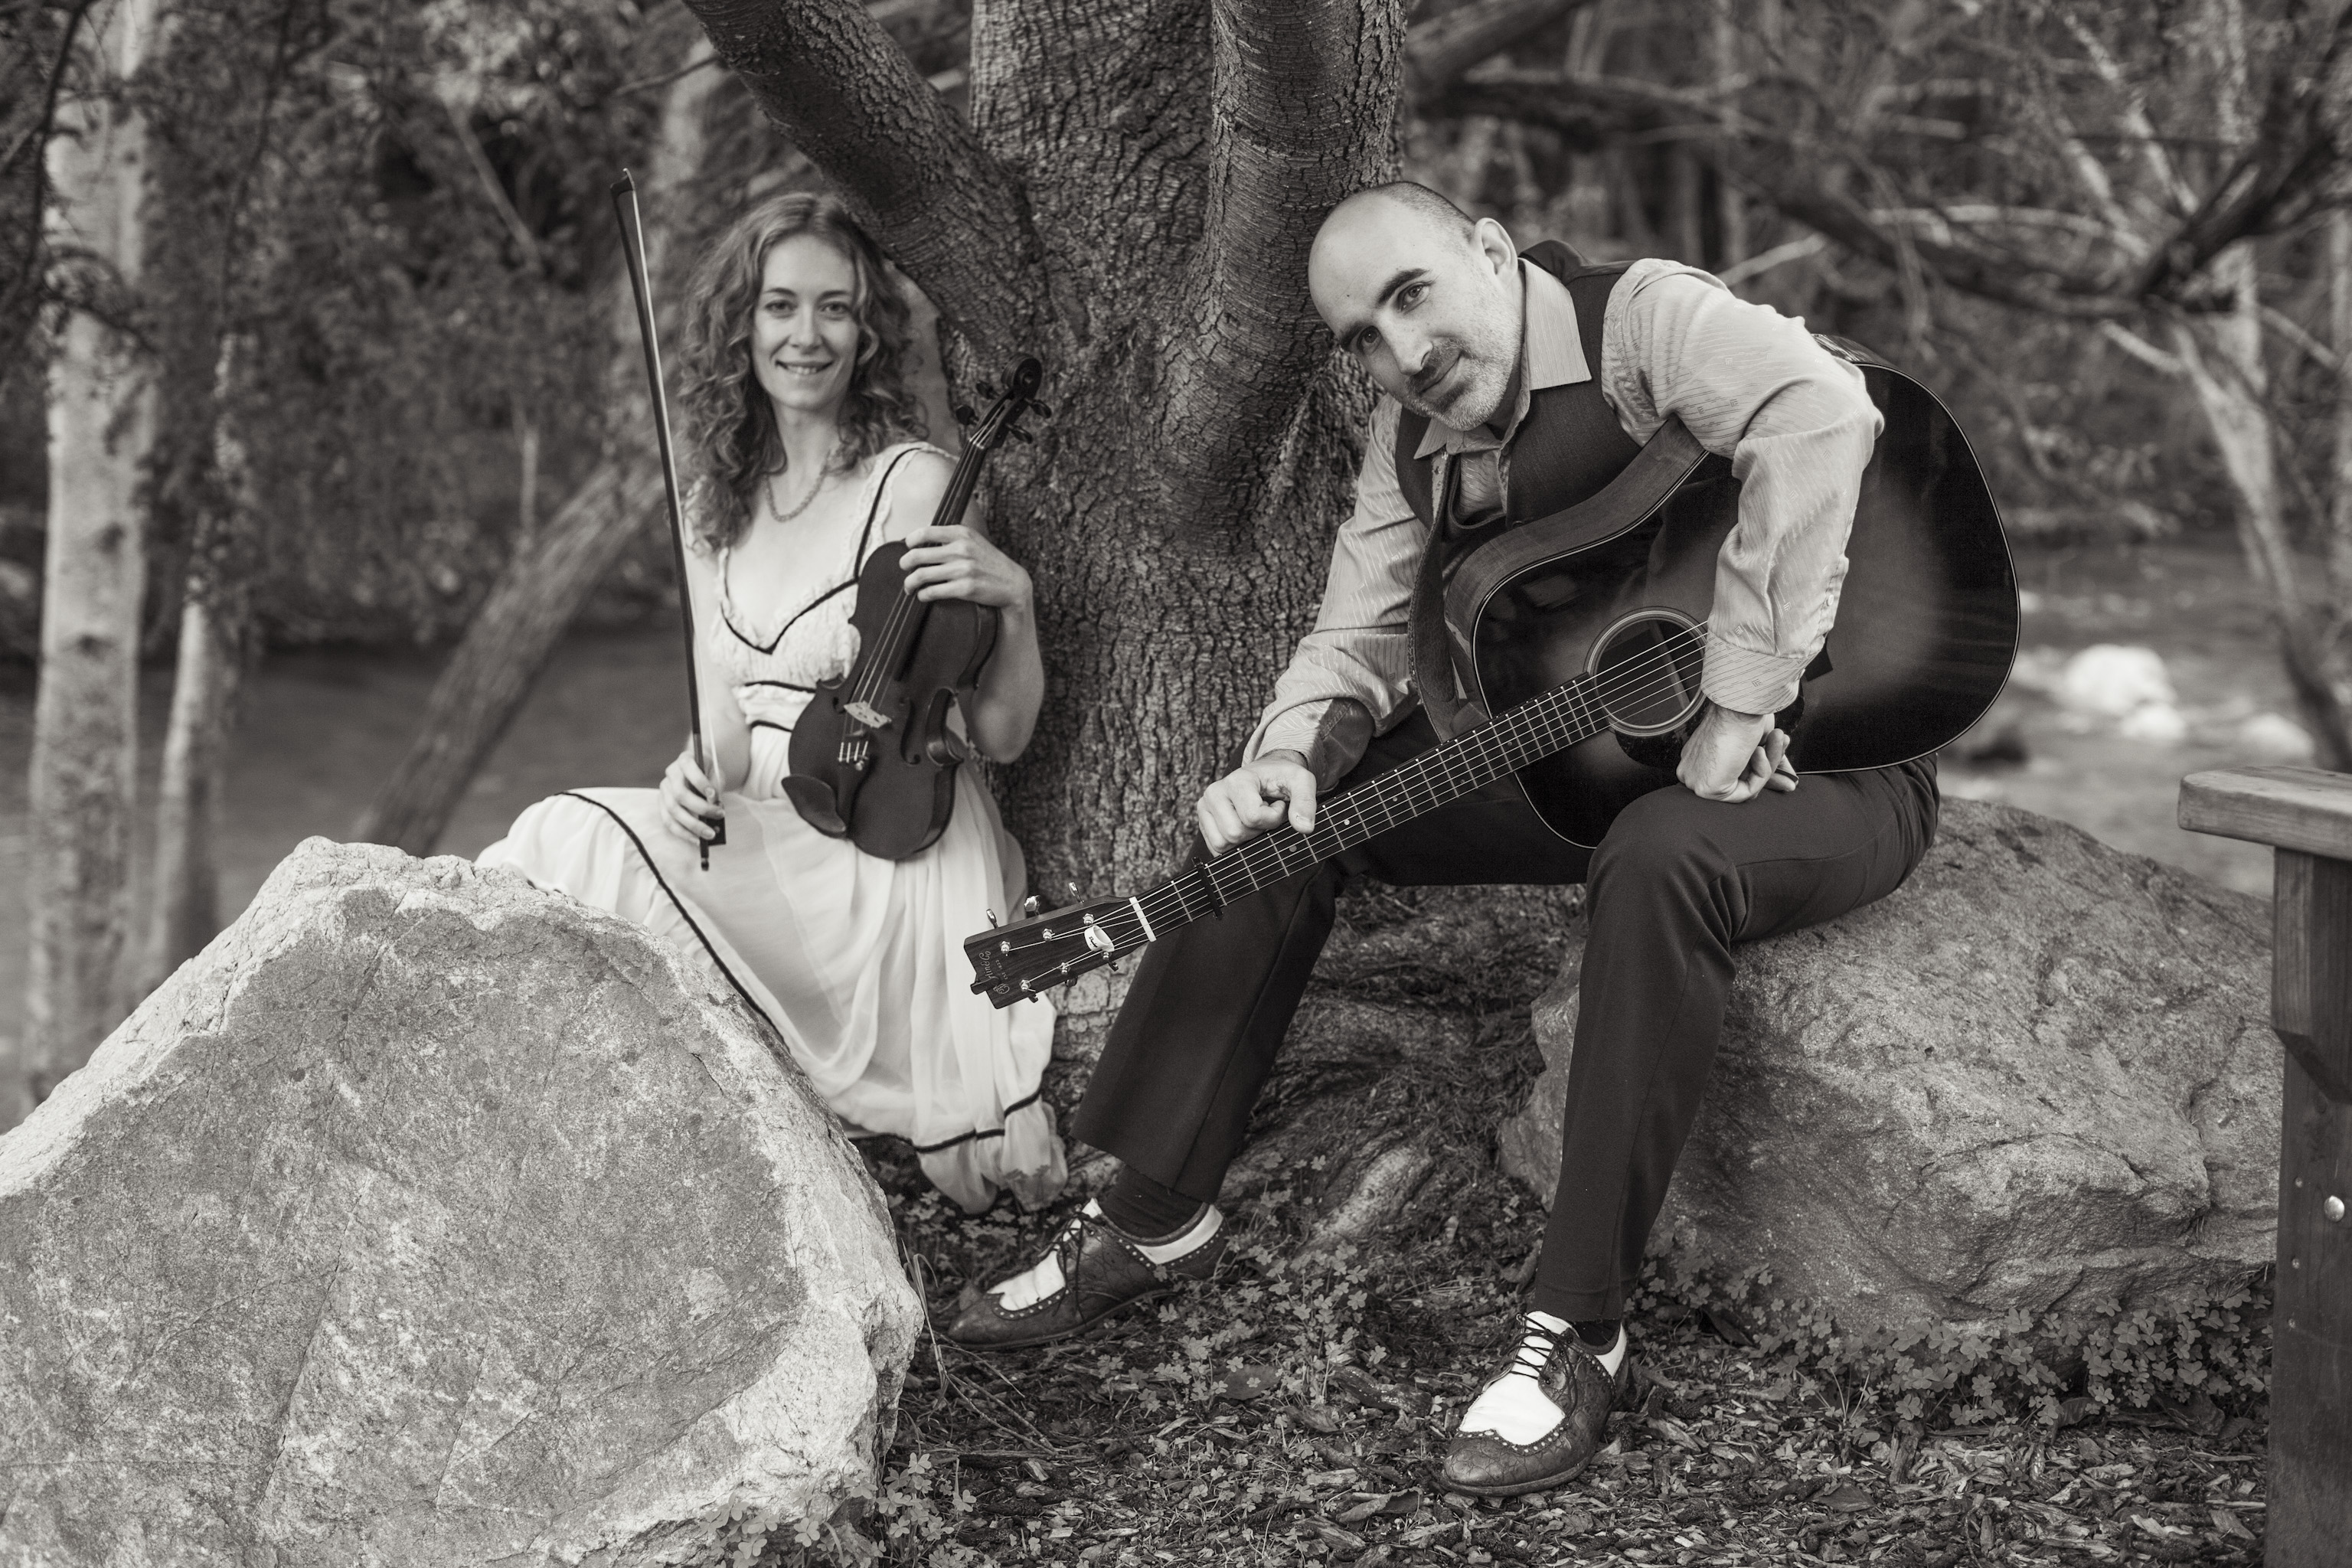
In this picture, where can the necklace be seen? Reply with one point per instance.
(777, 507)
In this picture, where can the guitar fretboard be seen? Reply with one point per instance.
(1534, 730)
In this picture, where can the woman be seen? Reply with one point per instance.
(808, 441)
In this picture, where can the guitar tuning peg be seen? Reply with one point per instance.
(964, 416)
(1071, 889)
(1045, 410)
(1018, 434)
(1029, 908)
(986, 390)
(991, 917)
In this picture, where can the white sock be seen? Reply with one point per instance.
(1034, 1284)
(1514, 1406)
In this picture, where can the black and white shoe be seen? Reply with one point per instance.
(1089, 1271)
(1538, 1421)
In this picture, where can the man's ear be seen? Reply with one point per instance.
(1493, 242)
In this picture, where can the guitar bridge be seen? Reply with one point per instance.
(868, 714)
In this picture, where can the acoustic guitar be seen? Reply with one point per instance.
(1587, 635)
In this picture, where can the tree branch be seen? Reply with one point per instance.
(1439, 51)
(952, 216)
(1303, 99)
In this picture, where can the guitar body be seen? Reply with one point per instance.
(891, 791)
(1926, 631)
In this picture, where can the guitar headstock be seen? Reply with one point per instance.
(1013, 962)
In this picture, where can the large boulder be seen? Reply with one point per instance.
(2039, 1077)
(426, 1218)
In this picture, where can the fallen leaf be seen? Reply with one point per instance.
(1362, 1508)
(2227, 1523)
(1344, 1539)
(1847, 1499)
(1246, 1382)
(1316, 1418)
(1324, 1481)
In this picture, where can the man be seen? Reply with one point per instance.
(1496, 370)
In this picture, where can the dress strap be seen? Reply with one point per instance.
(881, 489)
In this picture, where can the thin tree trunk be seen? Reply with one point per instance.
(215, 631)
(555, 567)
(85, 724)
(2231, 394)
(2340, 488)
(1730, 206)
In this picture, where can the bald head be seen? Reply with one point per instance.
(1425, 298)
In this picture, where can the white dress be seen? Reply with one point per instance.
(856, 961)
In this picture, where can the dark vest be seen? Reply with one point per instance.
(1568, 447)
(1569, 444)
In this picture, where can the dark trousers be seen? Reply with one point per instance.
(1674, 883)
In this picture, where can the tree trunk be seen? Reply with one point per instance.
(85, 724)
(554, 568)
(2339, 487)
(2230, 393)
(215, 631)
(1131, 199)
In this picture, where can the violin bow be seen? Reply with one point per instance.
(633, 249)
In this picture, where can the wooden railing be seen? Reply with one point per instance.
(2305, 816)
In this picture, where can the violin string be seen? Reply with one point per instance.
(870, 677)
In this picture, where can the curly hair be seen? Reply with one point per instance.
(731, 427)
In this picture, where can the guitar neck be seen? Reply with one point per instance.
(1534, 730)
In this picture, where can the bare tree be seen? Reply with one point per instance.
(85, 725)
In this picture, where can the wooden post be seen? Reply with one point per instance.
(2305, 815)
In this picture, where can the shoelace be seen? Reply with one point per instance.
(1534, 1352)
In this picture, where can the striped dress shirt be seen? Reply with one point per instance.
(1750, 384)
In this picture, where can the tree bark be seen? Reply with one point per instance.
(2230, 393)
(2339, 327)
(186, 913)
(556, 566)
(85, 725)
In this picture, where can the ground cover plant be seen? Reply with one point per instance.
(1297, 1411)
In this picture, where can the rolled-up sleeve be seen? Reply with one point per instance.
(1751, 384)
(1351, 677)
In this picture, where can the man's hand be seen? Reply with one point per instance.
(1734, 757)
(1256, 796)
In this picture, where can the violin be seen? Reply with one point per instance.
(873, 758)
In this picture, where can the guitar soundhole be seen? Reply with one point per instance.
(1646, 671)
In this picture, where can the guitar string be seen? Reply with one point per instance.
(1436, 776)
(1489, 750)
(1428, 781)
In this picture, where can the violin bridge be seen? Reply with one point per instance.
(868, 714)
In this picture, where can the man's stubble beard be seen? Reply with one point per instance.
(1489, 359)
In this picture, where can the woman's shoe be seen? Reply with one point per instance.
(1088, 1272)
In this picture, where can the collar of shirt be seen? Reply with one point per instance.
(1552, 354)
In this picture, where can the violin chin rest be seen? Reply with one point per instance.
(815, 803)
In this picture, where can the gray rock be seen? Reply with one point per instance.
(2039, 1077)
(425, 1218)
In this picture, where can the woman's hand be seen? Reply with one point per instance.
(958, 563)
(689, 806)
